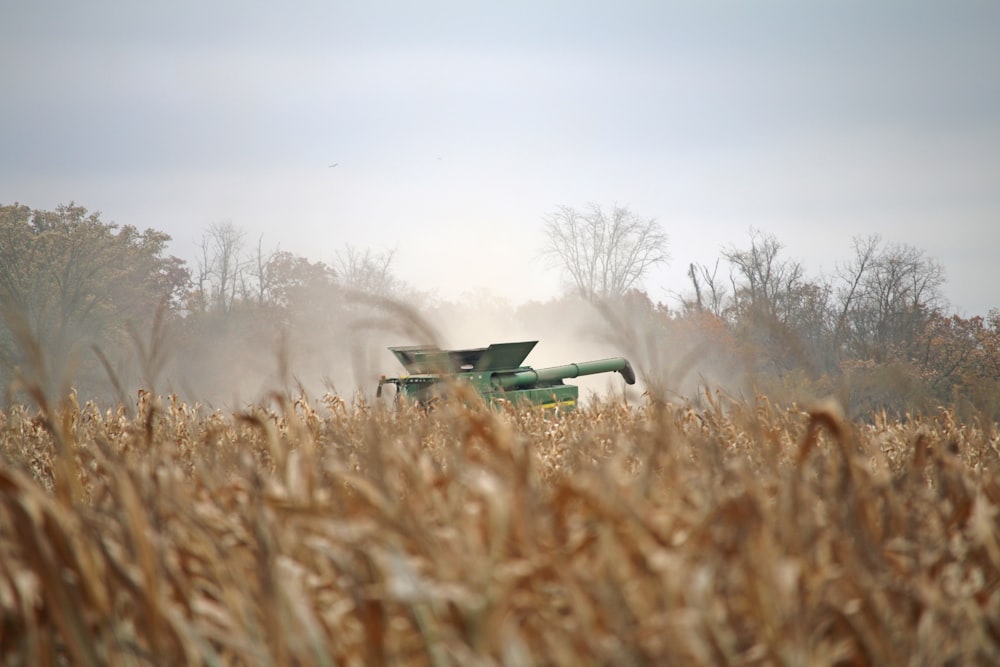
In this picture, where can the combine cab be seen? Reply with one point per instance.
(497, 373)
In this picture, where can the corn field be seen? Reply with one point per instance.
(324, 532)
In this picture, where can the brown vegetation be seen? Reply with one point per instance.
(320, 533)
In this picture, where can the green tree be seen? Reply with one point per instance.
(70, 282)
(294, 282)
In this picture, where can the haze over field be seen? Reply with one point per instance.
(454, 128)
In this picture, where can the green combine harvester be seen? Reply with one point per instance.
(496, 372)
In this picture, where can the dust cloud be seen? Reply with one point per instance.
(340, 345)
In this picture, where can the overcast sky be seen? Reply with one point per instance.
(456, 126)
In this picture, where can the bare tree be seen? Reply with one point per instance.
(851, 276)
(768, 285)
(220, 265)
(776, 307)
(258, 270)
(709, 294)
(604, 254)
(366, 271)
(886, 295)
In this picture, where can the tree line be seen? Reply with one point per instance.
(101, 308)
(876, 332)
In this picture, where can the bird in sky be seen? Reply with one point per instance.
(331, 166)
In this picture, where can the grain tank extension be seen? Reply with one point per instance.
(497, 373)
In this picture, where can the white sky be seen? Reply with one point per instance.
(457, 125)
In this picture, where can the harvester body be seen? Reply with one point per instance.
(497, 373)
